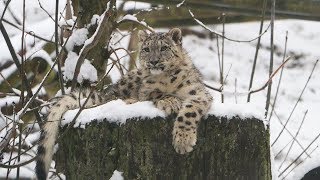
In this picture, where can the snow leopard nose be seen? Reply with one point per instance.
(154, 62)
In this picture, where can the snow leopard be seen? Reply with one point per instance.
(166, 76)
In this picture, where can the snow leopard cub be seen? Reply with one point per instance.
(166, 77)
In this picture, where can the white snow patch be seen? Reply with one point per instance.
(118, 111)
(9, 100)
(7, 72)
(180, 4)
(117, 175)
(87, 70)
(113, 111)
(26, 171)
(95, 19)
(245, 110)
(129, 5)
(78, 37)
(69, 22)
(129, 17)
(304, 168)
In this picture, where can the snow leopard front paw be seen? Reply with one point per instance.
(183, 139)
(170, 105)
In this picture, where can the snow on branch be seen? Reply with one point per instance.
(134, 19)
(106, 25)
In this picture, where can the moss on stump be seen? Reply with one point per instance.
(141, 149)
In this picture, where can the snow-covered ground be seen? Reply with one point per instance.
(303, 46)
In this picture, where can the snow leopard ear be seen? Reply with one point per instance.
(142, 35)
(176, 35)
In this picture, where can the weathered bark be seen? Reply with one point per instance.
(226, 149)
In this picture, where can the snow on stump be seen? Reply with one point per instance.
(227, 147)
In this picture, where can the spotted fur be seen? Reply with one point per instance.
(166, 77)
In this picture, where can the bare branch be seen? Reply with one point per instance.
(16, 61)
(251, 91)
(18, 165)
(47, 12)
(294, 161)
(287, 154)
(218, 34)
(5, 8)
(27, 32)
(280, 78)
(222, 56)
(257, 48)
(273, 7)
(56, 37)
(298, 100)
(299, 163)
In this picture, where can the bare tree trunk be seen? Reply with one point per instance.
(141, 148)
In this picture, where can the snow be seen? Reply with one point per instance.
(118, 111)
(180, 4)
(87, 70)
(26, 171)
(95, 19)
(303, 43)
(243, 110)
(117, 175)
(77, 38)
(89, 41)
(130, 17)
(304, 168)
(9, 100)
(115, 111)
(133, 5)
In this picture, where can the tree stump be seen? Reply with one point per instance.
(141, 148)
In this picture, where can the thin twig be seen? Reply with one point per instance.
(57, 47)
(298, 100)
(7, 82)
(295, 139)
(294, 161)
(222, 56)
(16, 61)
(24, 109)
(299, 163)
(273, 7)
(27, 32)
(19, 149)
(257, 48)
(19, 164)
(218, 34)
(255, 90)
(23, 51)
(280, 78)
(5, 8)
(271, 76)
(47, 12)
(287, 154)
(235, 90)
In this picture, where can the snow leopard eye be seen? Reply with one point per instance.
(146, 49)
(163, 48)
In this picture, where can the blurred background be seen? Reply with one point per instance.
(231, 42)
